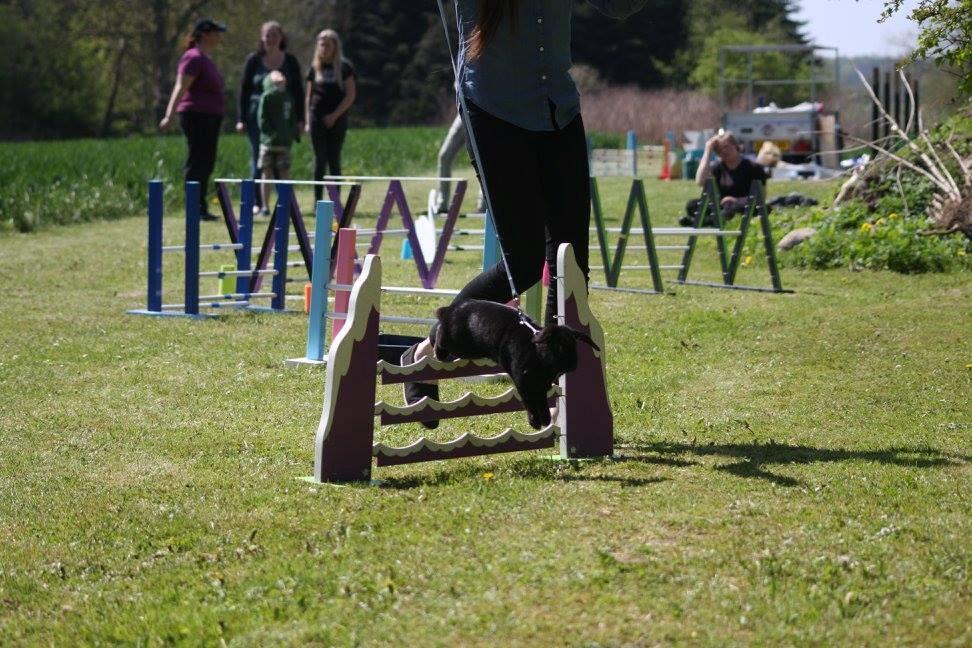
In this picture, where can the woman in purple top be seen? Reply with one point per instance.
(198, 99)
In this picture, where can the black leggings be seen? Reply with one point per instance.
(327, 149)
(202, 137)
(539, 186)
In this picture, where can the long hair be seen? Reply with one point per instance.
(488, 19)
(335, 64)
(191, 39)
(272, 24)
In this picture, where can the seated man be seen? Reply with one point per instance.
(734, 175)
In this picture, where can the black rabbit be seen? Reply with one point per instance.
(534, 358)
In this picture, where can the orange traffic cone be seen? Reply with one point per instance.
(666, 173)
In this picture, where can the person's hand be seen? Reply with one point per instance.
(329, 120)
(240, 127)
(727, 201)
(164, 124)
(711, 142)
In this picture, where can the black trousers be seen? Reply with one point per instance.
(739, 206)
(539, 186)
(202, 136)
(327, 144)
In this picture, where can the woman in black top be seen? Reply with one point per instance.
(330, 94)
(271, 55)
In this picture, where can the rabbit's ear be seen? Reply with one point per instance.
(584, 337)
(544, 334)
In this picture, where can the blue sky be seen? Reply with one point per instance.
(852, 27)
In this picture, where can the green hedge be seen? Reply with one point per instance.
(57, 183)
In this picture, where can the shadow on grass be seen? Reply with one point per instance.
(541, 468)
(756, 456)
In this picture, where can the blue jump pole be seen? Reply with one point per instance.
(192, 249)
(155, 211)
(281, 242)
(244, 255)
(633, 147)
(491, 250)
(320, 278)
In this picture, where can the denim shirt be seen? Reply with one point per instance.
(522, 77)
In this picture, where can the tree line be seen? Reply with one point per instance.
(102, 67)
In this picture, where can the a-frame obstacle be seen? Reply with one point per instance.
(728, 264)
(613, 265)
(344, 445)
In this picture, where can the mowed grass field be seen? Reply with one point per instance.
(790, 469)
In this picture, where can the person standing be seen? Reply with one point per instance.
(271, 55)
(198, 100)
(278, 129)
(522, 111)
(454, 142)
(331, 92)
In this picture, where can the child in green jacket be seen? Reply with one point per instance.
(278, 130)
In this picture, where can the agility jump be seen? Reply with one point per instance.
(240, 245)
(344, 446)
(729, 265)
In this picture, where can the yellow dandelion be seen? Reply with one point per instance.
(961, 252)
(880, 221)
(488, 476)
(866, 227)
(747, 261)
(892, 216)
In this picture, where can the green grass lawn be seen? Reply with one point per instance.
(790, 470)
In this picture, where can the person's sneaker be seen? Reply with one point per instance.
(208, 217)
(686, 221)
(265, 212)
(416, 391)
(256, 210)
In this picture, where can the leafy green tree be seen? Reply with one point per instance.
(709, 73)
(945, 37)
(48, 84)
(712, 24)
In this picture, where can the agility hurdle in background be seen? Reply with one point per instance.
(240, 235)
(428, 269)
(729, 265)
(614, 162)
(344, 444)
(344, 211)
